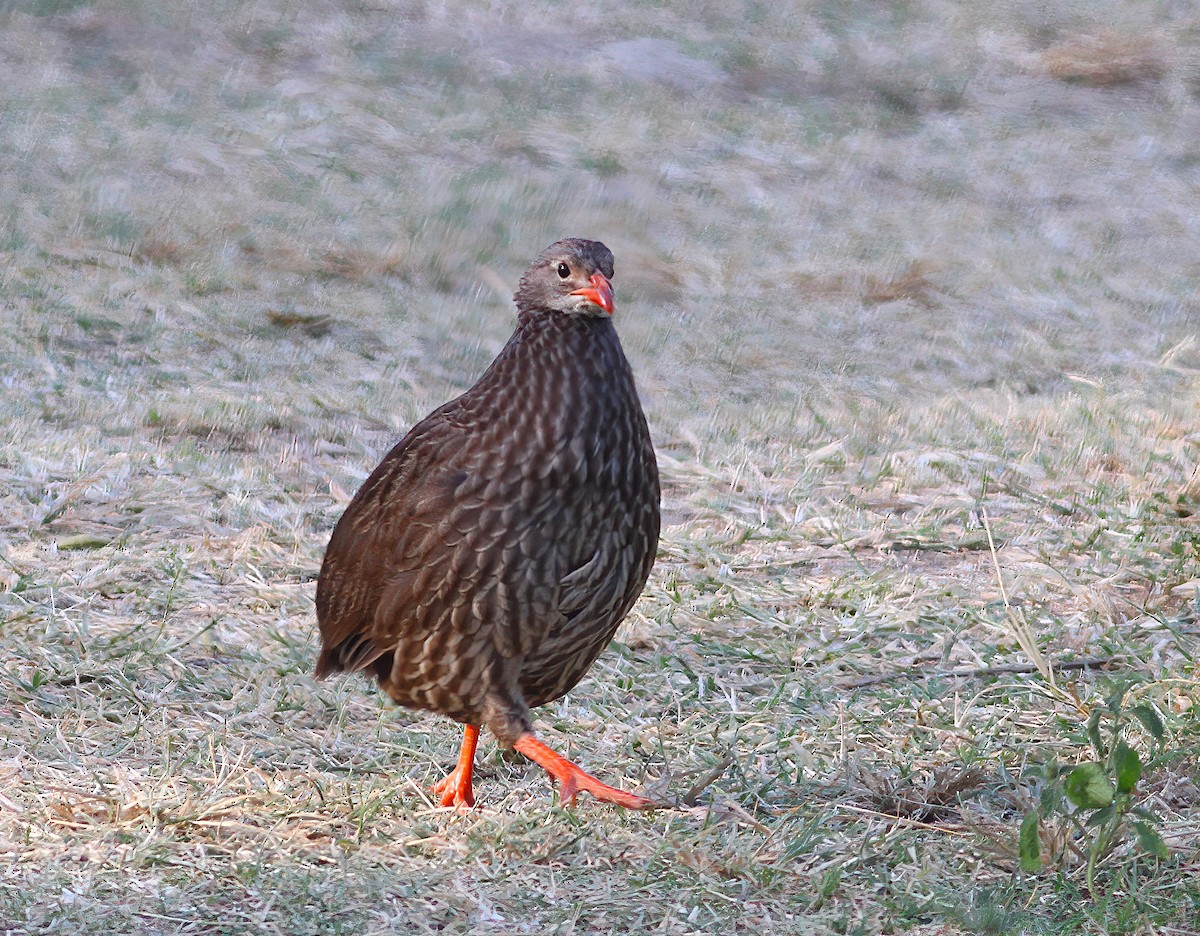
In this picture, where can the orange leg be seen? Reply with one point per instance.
(572, 779)
(455, 788)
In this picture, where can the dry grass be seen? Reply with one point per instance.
(881, 271)
(1108, 58)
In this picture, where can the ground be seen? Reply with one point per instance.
(910, 293)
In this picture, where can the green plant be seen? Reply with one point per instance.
(1097, 801)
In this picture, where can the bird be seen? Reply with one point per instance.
(487, 561)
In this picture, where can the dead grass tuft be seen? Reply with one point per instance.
(930, 798)
(913, 284)
(360, 265)
(1109, 59)
(159, 252)
(315, 326)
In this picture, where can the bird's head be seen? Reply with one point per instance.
(572, 276)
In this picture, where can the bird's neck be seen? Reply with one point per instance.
(530, 320)
(563, 357)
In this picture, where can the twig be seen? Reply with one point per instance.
(692, 796)
(904, 821)
(1003, 668)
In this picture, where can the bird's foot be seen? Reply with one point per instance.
(572, 779)
(455, 788)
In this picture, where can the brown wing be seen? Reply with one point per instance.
(442, 550)
(376, 546)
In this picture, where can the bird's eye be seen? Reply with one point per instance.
(563, 270)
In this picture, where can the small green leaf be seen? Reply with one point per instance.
(1150, 720)
(1051, 798)
(1101, 816)
(1128, 765)
(1117, 696)
(83, 541)
(1150, 841)
(1093, 732)
(1088, 788)
(1029, 845)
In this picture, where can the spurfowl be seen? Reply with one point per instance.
(488, 560)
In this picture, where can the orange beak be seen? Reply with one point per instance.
(599, 294)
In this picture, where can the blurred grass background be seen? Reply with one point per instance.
(880, 268)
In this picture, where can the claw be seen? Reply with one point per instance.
(455, 788)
